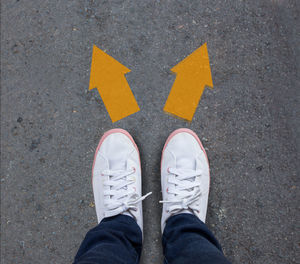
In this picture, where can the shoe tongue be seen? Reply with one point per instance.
(117, 164)
(185, 163)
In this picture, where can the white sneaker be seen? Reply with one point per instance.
(184, 176)
(116, 177)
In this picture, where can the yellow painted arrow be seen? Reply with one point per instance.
(108, 75)
(192, 75)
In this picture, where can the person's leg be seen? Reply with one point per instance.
(186, 239)
(116, 239)
(117, 187)
(185, 186)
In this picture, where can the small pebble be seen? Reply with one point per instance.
(259, 168)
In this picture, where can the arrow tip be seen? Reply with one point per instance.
(105, 66)
(196, 65)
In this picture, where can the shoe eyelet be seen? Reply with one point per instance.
(168, 169)
(134, 169)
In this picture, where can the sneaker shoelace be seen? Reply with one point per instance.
(186, 190)
(118, 197)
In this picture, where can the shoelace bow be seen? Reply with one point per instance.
(186, 190)
(119, 198)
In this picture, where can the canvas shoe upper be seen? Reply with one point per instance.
(117, 177)
(184, 176)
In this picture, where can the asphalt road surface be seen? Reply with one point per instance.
(51, 123)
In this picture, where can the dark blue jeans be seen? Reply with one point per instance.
(118, 240)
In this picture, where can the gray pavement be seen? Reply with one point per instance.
(51, 123)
